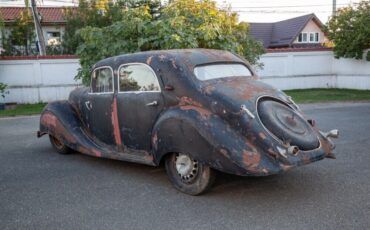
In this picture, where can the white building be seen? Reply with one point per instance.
(52, 21)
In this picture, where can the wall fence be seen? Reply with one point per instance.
(36, 79)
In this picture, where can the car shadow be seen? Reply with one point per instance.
(297, 183)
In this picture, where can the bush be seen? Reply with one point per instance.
(180, 24)
(350, 31)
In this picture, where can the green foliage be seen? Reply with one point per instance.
(3, 89)
(98, 13)
(21, 37)
(180, 24)
(350, 31)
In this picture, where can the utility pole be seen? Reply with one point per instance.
(39, 34)
(334, 8)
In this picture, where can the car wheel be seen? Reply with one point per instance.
(59, 146)
(188, 175)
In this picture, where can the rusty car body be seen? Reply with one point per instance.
(198, 110)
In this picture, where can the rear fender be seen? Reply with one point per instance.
(209, 139)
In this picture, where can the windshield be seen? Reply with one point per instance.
(214, 71)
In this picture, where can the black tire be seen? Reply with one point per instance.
(59, 146)
(197, 182)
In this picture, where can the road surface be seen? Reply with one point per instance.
(40, 189)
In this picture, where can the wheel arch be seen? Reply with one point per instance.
(196, 132)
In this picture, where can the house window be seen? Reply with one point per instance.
(308, 37)
(53, 38)
(314, 37)
(302, 37)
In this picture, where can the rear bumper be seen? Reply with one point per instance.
(262, 163)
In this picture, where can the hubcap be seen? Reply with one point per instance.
(186, 167)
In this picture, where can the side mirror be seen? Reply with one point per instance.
(169, 87)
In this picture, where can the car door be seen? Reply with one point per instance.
(99, 105)
(139, 102)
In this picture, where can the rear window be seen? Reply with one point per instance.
(208, 72)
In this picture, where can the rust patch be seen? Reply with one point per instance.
(286, 167)
(149, 60)
(115, 123)
(173, 63)
(155, 140)
(48, 120)
(162, 57)
(205, 114)
(55, 127)
(148, 157)
(96, 152)
(225, 153)
(325, 146)
(251, 160)
(188, 101)
(208, 89)
(262, 136)
(272, 153)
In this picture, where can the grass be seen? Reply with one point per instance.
(23, 109)
(299, 96)
(328, 95)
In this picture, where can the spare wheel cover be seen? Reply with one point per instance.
(287, 125)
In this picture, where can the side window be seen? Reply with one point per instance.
(102, 81)
(137, 77)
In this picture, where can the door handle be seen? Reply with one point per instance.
(88, 105)
(153, 103)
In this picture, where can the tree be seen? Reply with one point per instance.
(180, 24)
(98, 14)
(349, 30)
(21, 36)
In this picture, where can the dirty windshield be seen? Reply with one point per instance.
(208, 72)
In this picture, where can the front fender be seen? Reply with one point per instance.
(59, 119)
(209, 139)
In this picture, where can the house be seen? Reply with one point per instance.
(52, 21)
(300, 32)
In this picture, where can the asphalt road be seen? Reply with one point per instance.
(40, 189)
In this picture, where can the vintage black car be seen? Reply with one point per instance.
(196, 110)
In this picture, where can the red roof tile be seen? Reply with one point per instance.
(49, 14)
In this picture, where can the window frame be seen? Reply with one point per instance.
(137, 91)
(303, 41)
(91, 79)
(222, 63)
(318, 37)
(308, 37)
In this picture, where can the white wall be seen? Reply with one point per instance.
(45, 80)
(32, 81)
(318, 69)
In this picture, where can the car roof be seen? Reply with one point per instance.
(187, 57)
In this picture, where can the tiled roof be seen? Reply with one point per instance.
(48, 14)
(282, 33)
(262, 32)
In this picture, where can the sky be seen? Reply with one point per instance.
(248, 10)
